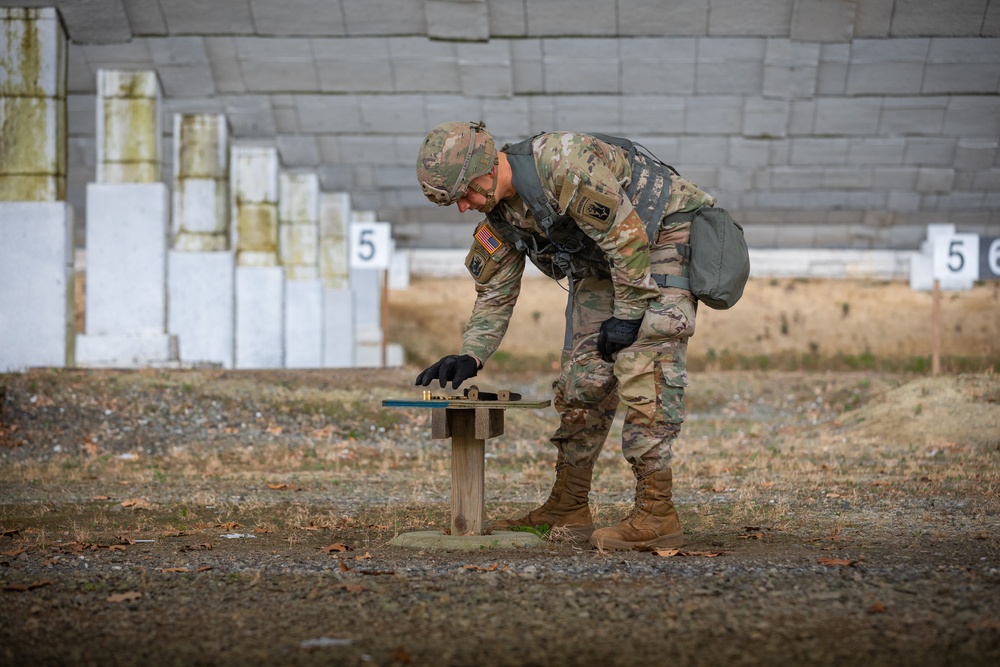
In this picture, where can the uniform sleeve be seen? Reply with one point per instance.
(495, 299)
(593, 197)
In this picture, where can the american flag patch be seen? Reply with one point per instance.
(488, 239)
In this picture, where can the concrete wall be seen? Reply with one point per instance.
(821, 123)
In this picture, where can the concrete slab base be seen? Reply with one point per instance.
(436, 540)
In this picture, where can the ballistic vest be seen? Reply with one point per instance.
(566, 250)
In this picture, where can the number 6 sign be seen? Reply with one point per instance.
(370, 245)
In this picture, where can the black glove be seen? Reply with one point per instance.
(457, 368)
(616, 335)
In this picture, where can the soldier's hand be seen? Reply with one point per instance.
(616, 335)
(454, 367)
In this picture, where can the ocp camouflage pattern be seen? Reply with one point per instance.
(586, 179)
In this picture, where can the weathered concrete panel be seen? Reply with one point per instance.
(823, 20)
(941, 17)
(768, 18)
(260, 305)
(129, 127)
(219, 17)
(570, 17)
(457, 19)
(334, 216)
(36, 271)
(653, 17)
(32, 54)
(385, 17)
(338, 328)
(355, 65)
(303, 324)
(297, 17)
(201, 288)
(126, 258)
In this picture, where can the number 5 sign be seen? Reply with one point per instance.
(370, 245)
(956, 257)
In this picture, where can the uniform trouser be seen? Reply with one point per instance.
(648, 377)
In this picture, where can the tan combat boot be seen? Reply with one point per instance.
(653, 522)
(567, 511)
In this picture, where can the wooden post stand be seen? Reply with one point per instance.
(469, 423)
(468, 428)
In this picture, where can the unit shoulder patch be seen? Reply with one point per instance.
(594, 206)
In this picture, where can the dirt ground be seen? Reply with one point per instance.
(839, 504)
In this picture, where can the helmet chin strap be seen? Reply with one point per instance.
(490, 194)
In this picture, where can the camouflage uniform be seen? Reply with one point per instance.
(585, 178)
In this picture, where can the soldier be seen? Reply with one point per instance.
(609, 218)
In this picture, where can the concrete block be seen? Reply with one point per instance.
(912, 115)
(975, 153)
(801, 117)
(831, 78)
(187, 80)
(901, 178)
(991, 22)
(126, 258)
(424, 66)
(797, 178)
(934, 180)
(526, 67)
(328, 113)
(201, 306)
(129, 126)
(457, 19)
(145, 17)
(971, 116)
(298, 150)
(693, 152)
(338, 328)
(651, 17)
(220, 17)
(385, 17)
(872, 18)
(945, 17)
(748, 152)
(581, 66)
(395, 356)
(600, 114)
(822, 21)
(260, 305)
(33, 53)
(225, 65)
(889, 78)
(571, 17)
(353, 65)
(399, 270)
(961, 78)
(37, 298)
(765, 117)
(933, 151)
(806, 151)
(906, 201)
(876, 151)
(730, 66)
(651, 113)
(508, 118)
(304, 324)
(250, 115)
(33, 135)
(366, 284)
(201, 207)
(254, 173)
(399, 113)
(658, 65)
(298, 196)
(298, 17)
(847, 116)
(769, 18)
(714, 115)
(506, 18)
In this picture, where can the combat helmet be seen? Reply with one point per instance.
(451, 157)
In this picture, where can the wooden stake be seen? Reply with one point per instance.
(468, 468)
(936, 330)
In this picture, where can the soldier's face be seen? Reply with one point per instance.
(472, 200)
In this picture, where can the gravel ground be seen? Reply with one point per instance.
(211, 517)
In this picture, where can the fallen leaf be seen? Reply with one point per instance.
(666, 553)
(336, 547)
(491, 568)
(130, 596)
(171, 570)
(14, 552)
(751, 536)
(175, 533)
(116, 547)
(101, 498)
(231, 525)
(833, 495)
(703, 554)
(344, 568)
(277, 487)
(877, 608)
(20, 588)
(836, 562)
(137, 504)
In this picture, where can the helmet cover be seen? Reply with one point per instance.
(453, 155)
